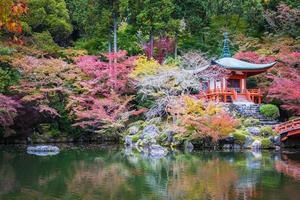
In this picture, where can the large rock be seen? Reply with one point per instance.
(133, 130)
(128, 141)
(248, 142)
(43, 150)
(188, 146)
(157, 151)
(150, 132)
(229, 139)
(254, 130)
(275, 140)
(256, 144)
(170, 137)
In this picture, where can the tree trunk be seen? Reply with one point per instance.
(115, 34)
(176, 47)
(109, 43)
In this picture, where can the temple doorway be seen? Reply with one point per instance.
(235, 84)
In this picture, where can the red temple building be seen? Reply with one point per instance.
(233, 87)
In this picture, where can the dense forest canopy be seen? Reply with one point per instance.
(100, 26)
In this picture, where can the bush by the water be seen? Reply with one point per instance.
(270, 111)
(240, 136)
(266, 131)
(266, 143)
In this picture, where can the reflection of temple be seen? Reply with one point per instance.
(289, 165)
(233, 88)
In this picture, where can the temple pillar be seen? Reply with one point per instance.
(212, 84)
(243, 85)
(224, 84)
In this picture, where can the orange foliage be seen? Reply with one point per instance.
(10, 13)
(200, 119)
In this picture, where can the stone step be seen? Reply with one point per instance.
(269, 123)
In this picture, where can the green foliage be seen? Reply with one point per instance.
(270, 111)
(267, 131)
(64, 122)
(92, 45)
(266, 143)
(250, 122)
(45, 42)
(49, 15)
(240, 136)
(8, 77)
(6, 50)
(251, 83)
(53, 133)
(135, 138)
(128, 40)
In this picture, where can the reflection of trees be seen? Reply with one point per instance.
(211, 180)
(92, 181)
(109, 174)
(7, 174)
(7, 179)
(288, 166)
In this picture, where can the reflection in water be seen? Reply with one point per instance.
(113, 174)
(289, 165)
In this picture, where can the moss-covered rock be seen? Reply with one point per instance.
(250, 122)
(266, 143)
(266, 131)
(135, 138)
(240, 136)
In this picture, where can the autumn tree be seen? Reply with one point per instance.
(10, 14)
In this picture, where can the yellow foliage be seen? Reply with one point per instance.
(145, 67)
(200, 119)
(193, 106)
(212, 108)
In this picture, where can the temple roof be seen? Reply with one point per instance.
(235, 64)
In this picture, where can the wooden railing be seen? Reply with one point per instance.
(248, 95)
(234, 94)
(253, 95)
(288, 126)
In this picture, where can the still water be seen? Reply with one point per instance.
(112, 173)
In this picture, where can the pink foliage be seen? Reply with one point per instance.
(162, 46)
(286, 79)
(93, 111)
(287, 91)
(111, 75)
(8, 110)
(49, 110)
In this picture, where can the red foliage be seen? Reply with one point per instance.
(287, 91)
(286, 77)
(162, 47)
(101, 102)
(94, 112)
(107, 76)
(11, 13)
(8, 110)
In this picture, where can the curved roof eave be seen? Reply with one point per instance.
(235, 64)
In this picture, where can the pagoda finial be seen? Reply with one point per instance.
(226, 51)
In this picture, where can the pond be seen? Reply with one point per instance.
(113, 173)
